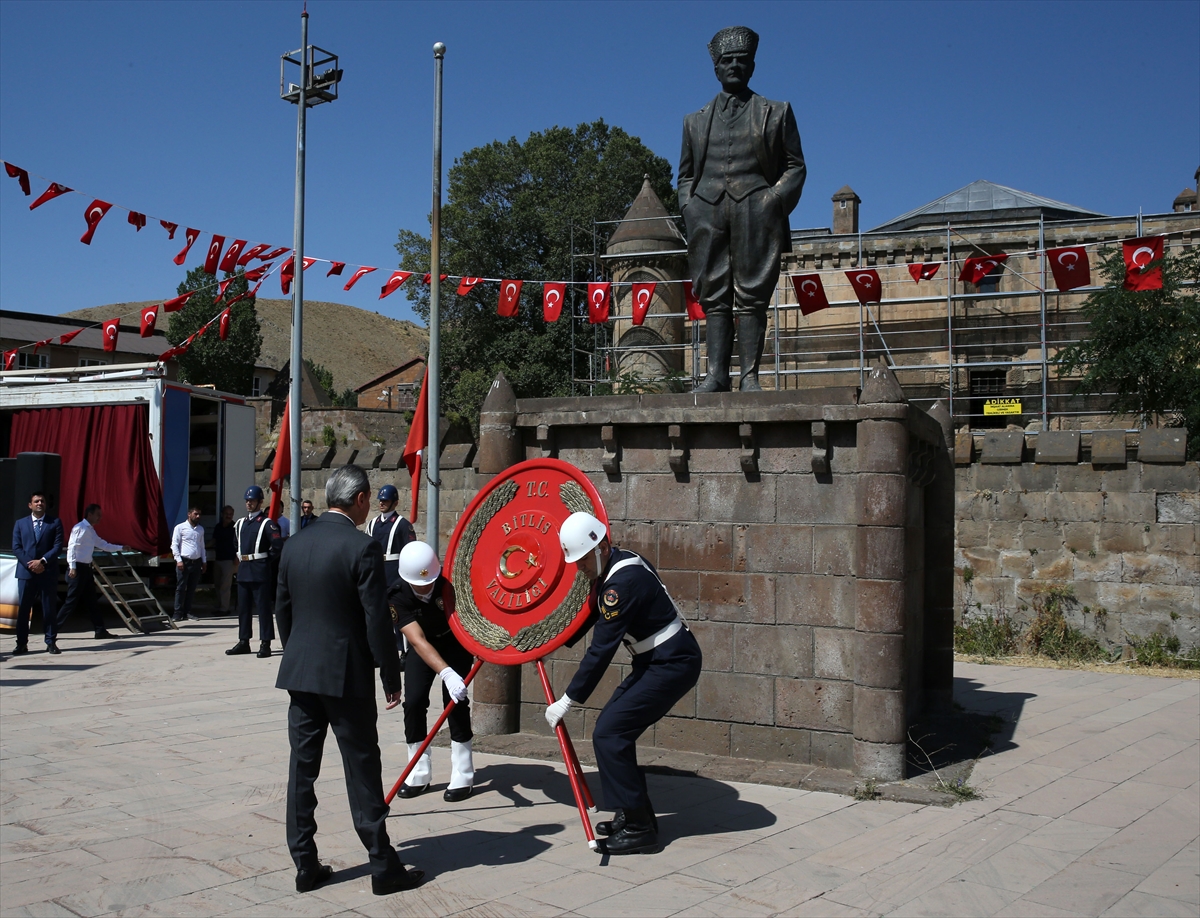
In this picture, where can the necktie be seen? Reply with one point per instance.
(37, 529)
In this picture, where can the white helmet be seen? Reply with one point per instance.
(419, 564)
(580, 533)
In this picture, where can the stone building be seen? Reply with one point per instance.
(395, 390)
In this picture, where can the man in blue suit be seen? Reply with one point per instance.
(37, 540)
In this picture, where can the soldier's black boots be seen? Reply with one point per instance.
(637, 836)
(264, 649)
(611, 827)
(751, 334)
(239, 648)
(719, 335)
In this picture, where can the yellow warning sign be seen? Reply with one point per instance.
(1002, 406)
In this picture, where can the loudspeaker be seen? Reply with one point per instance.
(8, 502)
(37, 472)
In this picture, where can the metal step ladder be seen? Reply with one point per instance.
(129, 594)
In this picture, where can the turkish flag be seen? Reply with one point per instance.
(63, 339)
(281, 468)
(810, 293)
(552, 300)
(20, 175)
(169, 227)
(214, 254)
(1139, 255)
(924, 271)
(866, 285)
(976, 269)
(10, 358)
(254, 292)
(393, 283)
(223, 322)
(465, 285)
(38, 345)
(111, 329)
(136, 220)
(428, 277)
(510, 298)
(93, 215)
(642, 295)
(599, 301)
(172, 352)
(149, 320)
(417, 442)
(222, 287)
(1070, 266)
(272, 255)
(309, 262)
(286, 273)
(229, 262)
(49, 194)
(357, 275)
(258, 273)
(191, 236)
(695, 312)
(176, 304)
(335, 268)
(252, 253)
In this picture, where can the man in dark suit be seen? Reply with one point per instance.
(37, 541)
(336, 628)
(740, 175)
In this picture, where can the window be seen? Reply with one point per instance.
(257, 387)
(27, 361)
(985, 384)
(89, 362)
(842, 205)
(991, 282)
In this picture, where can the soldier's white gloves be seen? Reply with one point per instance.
(454, 684)
(557, 711)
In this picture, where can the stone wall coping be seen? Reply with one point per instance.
(1164, 446)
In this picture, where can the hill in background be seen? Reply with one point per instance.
(353, 344)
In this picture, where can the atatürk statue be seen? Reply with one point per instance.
(740, 175)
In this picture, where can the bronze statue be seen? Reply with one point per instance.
(740, 175)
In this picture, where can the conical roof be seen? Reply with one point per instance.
(647, 221)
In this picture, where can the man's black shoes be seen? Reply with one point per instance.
(52, 648)
(637, 836)
(264, 649)
(20, 649)
(408, 791)
(618, 823)
(104, 635)
(396, 882)
(456, 794)
(239, 648)
(308, 880)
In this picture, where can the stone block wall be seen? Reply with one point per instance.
(1114, 517)
(790, 530)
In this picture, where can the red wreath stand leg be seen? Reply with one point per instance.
(579, 786)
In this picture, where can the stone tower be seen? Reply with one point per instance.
(648, 247)
(845, 211)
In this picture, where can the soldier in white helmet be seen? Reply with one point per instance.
(419, 614)
(629, 605)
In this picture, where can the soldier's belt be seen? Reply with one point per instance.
(661, 636)
(257, 557)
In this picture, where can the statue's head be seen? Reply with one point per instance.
(732, 53)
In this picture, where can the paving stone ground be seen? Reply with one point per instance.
(146, 776)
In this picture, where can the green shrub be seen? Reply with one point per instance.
(1158, 650)
(1049, 634)
(329, 436)
(986, 636)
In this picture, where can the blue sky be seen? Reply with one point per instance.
(173, 109)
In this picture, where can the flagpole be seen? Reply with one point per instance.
(297, 358)
(433, 369)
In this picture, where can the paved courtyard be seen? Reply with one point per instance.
(146, 776)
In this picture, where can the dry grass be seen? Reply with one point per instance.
(354, 344)
(1131, 668)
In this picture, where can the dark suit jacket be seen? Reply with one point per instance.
(332, 611)
(27, 548)
(776, 139)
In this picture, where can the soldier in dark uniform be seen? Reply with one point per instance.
(419, 613)
(391, 530)
(741, 173)
(259, 543)
(629, 605)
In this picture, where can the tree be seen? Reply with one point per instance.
(229, 364)
(1144, 346)
(510, 211)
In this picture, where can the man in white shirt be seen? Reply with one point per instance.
(191, 560)
(81, 587)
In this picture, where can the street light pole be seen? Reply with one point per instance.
(311, 90)
(433, 370)
(298, 268)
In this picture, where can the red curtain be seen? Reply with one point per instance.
(106, 460)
